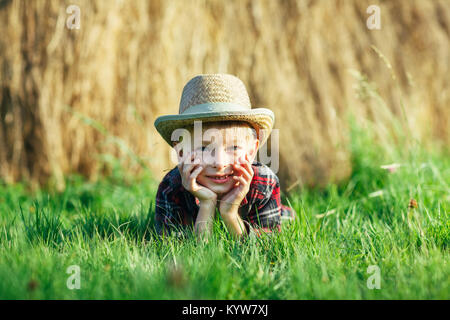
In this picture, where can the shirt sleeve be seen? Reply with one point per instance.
(266, 215)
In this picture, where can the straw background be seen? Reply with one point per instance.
(129, 61)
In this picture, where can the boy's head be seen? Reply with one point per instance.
(218, 145)
(221, 104)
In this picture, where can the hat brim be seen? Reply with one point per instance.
(259, 118)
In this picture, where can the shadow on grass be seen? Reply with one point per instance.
(44, 225)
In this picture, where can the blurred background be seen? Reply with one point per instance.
(76, 100)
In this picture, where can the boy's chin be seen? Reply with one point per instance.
(220, 189)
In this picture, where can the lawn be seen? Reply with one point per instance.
(345, 236)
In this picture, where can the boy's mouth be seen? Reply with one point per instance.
(220, 178)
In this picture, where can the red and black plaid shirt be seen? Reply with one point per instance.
(261, 209)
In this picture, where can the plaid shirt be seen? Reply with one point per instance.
(261, 209)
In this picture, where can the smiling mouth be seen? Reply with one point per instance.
(220, 178)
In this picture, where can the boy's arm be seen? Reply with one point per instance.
(205, 218)
(229, 206)
(265, 214)
(234, 223)
(189, 169)
(265, 202)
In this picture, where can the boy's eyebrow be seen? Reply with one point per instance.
(232, 142)
(228, 139)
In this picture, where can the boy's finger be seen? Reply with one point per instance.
(238, 168)
(245, 171)
(188, 159)
(196, 172)
(181, 166)
(246, 163)
(193, 179)
(183, 160)
(242, 181)
(248, 169)
(188, 168)
(246, 175)
(195, 159)
(241, 170)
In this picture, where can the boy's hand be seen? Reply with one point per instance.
(229, 203)
(190, 168)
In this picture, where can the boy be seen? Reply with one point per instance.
(218, 171)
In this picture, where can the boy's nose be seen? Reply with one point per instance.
(221, 158)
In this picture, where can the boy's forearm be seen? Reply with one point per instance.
(205, 218)
(234, 223)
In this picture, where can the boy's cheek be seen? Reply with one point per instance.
(203, 181)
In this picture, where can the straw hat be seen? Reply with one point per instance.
(216, 97)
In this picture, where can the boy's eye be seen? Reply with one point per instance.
(235, 147)
(206, 149)
(202, 148)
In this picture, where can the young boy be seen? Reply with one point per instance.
(217, 170)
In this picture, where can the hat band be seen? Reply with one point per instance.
(215, 107)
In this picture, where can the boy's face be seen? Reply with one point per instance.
(216, 153)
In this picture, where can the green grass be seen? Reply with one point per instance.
(106, 229)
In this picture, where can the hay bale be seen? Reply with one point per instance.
(129, 61)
